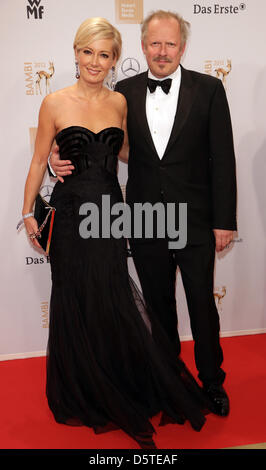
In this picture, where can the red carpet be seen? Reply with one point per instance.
(26, 422)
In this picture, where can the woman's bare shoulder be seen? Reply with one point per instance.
(118, 96)
(119, 100)
(55, 98)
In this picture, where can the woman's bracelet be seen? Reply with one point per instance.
(25, 216)
(29, 214)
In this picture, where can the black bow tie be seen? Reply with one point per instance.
(165, 84)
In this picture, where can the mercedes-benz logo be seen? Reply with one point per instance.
(130, 67)
(46, 191)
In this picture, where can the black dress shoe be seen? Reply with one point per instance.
(218, 398)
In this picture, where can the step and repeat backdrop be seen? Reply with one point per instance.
(227, 40)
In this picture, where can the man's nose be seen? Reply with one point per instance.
(163, 49)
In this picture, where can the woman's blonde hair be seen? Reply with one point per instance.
(94, 29)
(162, 15)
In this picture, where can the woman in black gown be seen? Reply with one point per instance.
(109, 364)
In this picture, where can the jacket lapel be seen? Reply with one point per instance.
(186, 98)
(140, 109)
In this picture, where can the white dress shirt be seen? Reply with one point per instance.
(161, 110)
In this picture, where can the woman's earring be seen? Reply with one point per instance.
(77, 70)
(113, 81)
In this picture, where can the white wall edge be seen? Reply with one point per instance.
(24, 355)
(227, 334)
(224, 334)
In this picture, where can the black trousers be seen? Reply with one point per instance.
(156, 267)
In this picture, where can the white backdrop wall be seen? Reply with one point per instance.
(226, 35)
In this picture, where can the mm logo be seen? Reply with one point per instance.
(34, 9)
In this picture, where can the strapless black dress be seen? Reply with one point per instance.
(109, 364)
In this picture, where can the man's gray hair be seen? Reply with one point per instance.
(162, 15)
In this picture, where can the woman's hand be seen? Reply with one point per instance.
(60, 167)
(31, 226)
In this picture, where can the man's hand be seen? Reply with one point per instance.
(60, 167)
(222, 238)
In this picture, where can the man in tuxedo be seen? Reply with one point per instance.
(181, 151)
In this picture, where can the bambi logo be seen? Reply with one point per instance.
(219, 293)
(218, 68)
(33, 84)
(43, 75)
(45, 314)
(222, 72)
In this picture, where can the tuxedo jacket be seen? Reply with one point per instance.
(198, 166)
